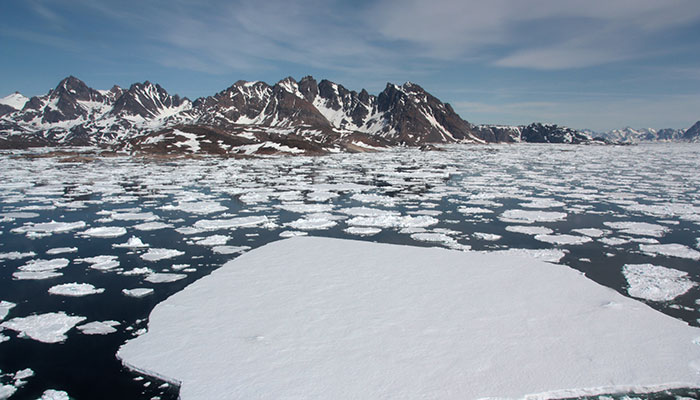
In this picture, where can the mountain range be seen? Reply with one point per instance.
(247, 118)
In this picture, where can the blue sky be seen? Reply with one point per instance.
(598, 64)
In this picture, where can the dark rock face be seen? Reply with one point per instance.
(693, 133)
(539, 133)
(145, 100)
(307, 117)
(5, 109)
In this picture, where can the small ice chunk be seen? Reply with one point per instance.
(529, 217)
(613, 241)
(5, 307)
(152, 226)
(543, 203)
(656, 283)
(36, 275)
(591, 232)
(433, 237)
(638, 228)
(229, 249)
(302, 208)
(132, 243)
(138, 271)
(288, 234)
(548, 255)
(164, 277)
(6, 391)
(563, 239)
(52, 394)
(46, 328)
(232, 223)
(16, 255)
(102, 263)
(671, 250)
(179, 267)
(362, 231)
(21, 375)
(48, 228)
(491, 237)
(61, 250)
(45, 265)
(104, 232)
(394, 221)
(314, 222)
(138, 292)
(156, 254)
(98, 327)
(367, 212)
(214, 240)
(198, 207)
(75, 289)
(474, 210)
(529, 230)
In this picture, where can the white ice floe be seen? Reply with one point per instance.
(23, 374)
(491, 237)
(374, 199)
(362, 231)
(104, 232)
(656, 283)
(288, 234)
(75, 289)
(613, 241)
(98, 327)
(16, 255)
(6, 391)
(152, 226)
(41, 275)
(474, 210)
(548, 255)
(563, 239)
(164, 277)
(101, 263)
(394, 221)
(138, 271)
(52, 394)
(214, 240)
(199, 207)
(133, 216)
(132, 243)
(303, 208)
(138, 292)
(47, 228)
(61, 250)
(5, 307)
(638, 228)
(310, 222)
(543, 203)
(229, 249)
(232, 223)
(434, 237)
(591, 232)
(671, 250)
(155, 254)
(47, 328)
(529, 217)
(529, 230)
(45, 265)
(345, 319)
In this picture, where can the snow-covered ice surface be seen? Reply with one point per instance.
(47, 328)
(638, 205)
(656, 283)
(437, 324)
(75, 289)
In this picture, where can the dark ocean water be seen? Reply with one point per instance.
(590, 186)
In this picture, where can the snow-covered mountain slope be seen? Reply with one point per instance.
(631, 135)
(248, 117)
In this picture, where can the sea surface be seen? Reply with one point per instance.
(628, 217)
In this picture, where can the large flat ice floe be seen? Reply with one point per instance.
(325, 318)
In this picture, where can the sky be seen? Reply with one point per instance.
(590, 64)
